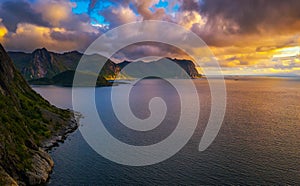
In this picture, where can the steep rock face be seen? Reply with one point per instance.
(26, 120)
(6, 179)
(188, 66)
(41, 63)
(41, 167)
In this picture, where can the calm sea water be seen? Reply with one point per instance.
(259, 142)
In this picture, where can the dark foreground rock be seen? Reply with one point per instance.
(26, 122)
(61, 135)
(42, 163)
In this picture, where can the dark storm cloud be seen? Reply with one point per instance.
(85, 38)
(63, 36)
(144, 49)
(73, 36)
(75, 21)
(117, 18)
(289, 43)
(253, 16)
(189, 5)
(14, 12)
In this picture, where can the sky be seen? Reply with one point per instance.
(248, 37)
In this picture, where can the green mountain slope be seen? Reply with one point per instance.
(26, 120)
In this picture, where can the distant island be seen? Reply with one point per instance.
(42, 67)
(29, 125)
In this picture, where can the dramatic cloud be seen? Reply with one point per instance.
(254, 16)
(190, 5)
(45, 23)
(118, 16)
(143, 9)
(3, 31)
(14, 12)
(245, 36)
(54, 11)
(189, 19)
(144, 49)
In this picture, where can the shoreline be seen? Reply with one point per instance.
(42, 162)
(61, 135)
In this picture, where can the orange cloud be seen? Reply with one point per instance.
(55, 12)
(3, 31)
(30, 37)
(188, 18)
(243, 39)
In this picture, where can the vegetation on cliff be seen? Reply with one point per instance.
(26, 120)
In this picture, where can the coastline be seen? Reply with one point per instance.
(42, 162)
(61, 135)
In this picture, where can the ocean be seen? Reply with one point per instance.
(258, 143)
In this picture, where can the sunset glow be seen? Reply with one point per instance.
(253, 38)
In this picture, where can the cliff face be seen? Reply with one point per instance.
(26, 120)
(188, 66)
(41, 63)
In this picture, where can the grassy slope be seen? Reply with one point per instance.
(26, 119)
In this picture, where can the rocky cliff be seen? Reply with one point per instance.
(26, 121)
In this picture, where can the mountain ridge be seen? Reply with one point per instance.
(48, 64)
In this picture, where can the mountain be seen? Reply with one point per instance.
(163, 67)
(42, 63)
(41, 66)
(26, 122)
